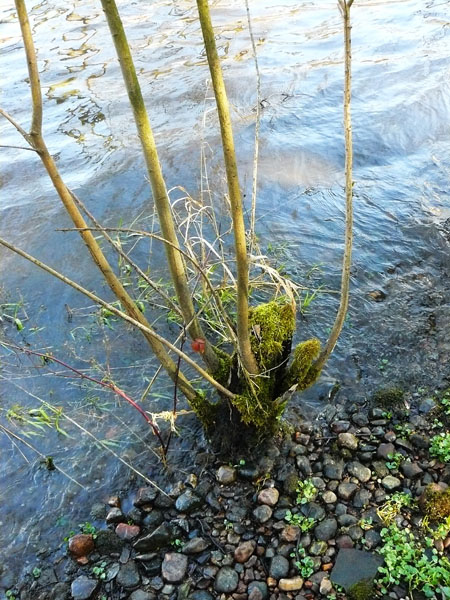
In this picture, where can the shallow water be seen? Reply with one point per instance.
(401, 111)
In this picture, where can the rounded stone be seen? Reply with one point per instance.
(174, 567)
(390, 483)
(268, 496)
(195, 546)
(226, 580)
(244, 551)
(290, 585)
(346, 490)
(128, 576)
(326, 530)
(362, 473)
(226, 474)
(279, 567)
(347, 440)
(262, 513)
(188, 502)
(329, 497)
(81, 545)
(261, 586)
(127, 532)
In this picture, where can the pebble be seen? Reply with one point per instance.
(226, 580)
(359, 471)
(145, 496)
(268, 496)
(174, 567)
(346, 490)
(290, 585)
(226, 475)
(188, 502)
(81, 545)
(262, 513)
(127, 532)
(329, 497)
(384, 450)
(390, 483)
(128, 575)
(83, 588)
(279, 567)
(115, 515)
(326, 529)
(347, 440)
(244, 551)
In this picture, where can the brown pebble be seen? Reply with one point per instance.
(244, 551)
(81, 545)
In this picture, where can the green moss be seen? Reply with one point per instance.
(271, 326)
(392, 397)
(363, 590)
(204, 409)
(302, 371)
(221, 374)
(436, 503)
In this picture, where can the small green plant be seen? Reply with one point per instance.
(228, 525)
(403, 430)
(395, 460)
(445, 403)
(304, 564)
(177, 544)
(414, 562)
(383, 364)
(366, 524)
(440, 446)
(88, 528)
(392, 507)
(36, 572)
(10, 595)
(306, 491)
(387, 414)
(304, 523)
(99, 571)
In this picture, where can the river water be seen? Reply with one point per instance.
(401, 116)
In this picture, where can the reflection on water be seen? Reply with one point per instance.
(401, 114)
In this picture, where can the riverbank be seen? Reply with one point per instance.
(313, 517)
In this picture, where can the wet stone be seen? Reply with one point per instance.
(347, 440)
(262, 513)
(411, 470)
(226, 474)
(141, 595)
(346, 575)
(279, 567)
(145, 496)
(326, 530)
(313, 510)
(226, 580)
(346, 490)
(304, 466)
(83, 588)
(107, 542)
(268, 496)
(115, 515)
(128, 575)
(244, 551)
(362, 498)
(333, 470)
(390, 483)
(160, 537)
(259, 590)
(384, 450)
(290, 585)
(200, 595)
(329, 497)
(359, 471)
(290, 534)
(174, 567)
(195, 546)
(81, 545)
(127, 532)
(188, 502)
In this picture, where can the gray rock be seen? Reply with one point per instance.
(333, 470)
(195, 545)
(188, 502)
(419, 441)
(128, 575)
(268, 496)
(384, 450)
(259, 585)
(83, 588)
(345, 572)
(153, 519)
(373, 539)
(226, 474)
(326, 530)
(60, 591)
(304, 466)
(174, 567)
(279, 567)
(348, 440)
(115, 515)
(141, 595)
(98, 511)
(411, 470)
(362, 473)
(390, 483)
(262, 513)
(380, 468)
(201, 595)
(313, 510)
(346, 490)
(362, 498)
(145, 496)
(226, 580)
(329, 497)
(160, 537)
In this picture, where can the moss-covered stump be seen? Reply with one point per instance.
(260, 400)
